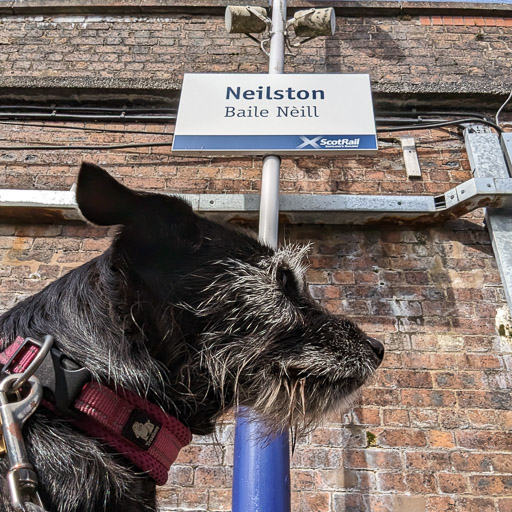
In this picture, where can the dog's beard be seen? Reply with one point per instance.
(281, 397)
(301, 404)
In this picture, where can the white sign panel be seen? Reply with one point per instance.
(275, 114)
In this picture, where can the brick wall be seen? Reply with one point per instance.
(408, 53)
(431, 433)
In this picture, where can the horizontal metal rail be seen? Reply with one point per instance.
(41, 206)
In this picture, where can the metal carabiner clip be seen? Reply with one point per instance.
(21, 477)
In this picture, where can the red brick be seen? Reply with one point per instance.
(314, 501)
(441, 439)
(401, 438)
(472, 462)
(387, 481)
(424, 418)
(421, 482)
(404, 379)
(192, 498)
(484, 440)
(452, 483)
(367, 416)
(428, 398)
(212, 476)
(348, 502)
(303, 479)
(440, 504)
(373, 458)
(207, 455)
(181, 475)
(484, 399)
(489, 485)
(338, 479)
(505, 505)
(480, 504)
(219, 500)
(454, 418)
(343, 277)
(427, 460)
(396, 417)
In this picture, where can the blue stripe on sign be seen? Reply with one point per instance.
(273, 142)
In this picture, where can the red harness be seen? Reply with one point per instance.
(134, 427)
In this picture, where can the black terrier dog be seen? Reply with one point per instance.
(190, 315)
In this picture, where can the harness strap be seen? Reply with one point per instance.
(139, 430)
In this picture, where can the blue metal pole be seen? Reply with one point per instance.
(261, 474)
(261, 481)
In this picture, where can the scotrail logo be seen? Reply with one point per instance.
(332, 142)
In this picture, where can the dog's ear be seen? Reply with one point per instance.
(101, 199)
(148, 217)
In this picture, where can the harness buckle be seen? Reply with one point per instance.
(40, 349)
(21, 477)
(59, 375)
(64, 379)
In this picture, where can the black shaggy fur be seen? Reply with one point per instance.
(195, 315)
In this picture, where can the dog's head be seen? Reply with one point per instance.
(230, 319)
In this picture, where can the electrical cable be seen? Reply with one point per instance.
(413, 126)
(82, 128)
(54, 108)
(427, 125)
(419, 122)
(88, 117)
(496, 117)
(417, 115)
(84, 148)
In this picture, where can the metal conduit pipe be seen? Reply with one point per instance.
(52, 205)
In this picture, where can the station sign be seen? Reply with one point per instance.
(287, 114)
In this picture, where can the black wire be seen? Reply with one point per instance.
(419, 114)
(64, 127)
(418, 121)
(54, 108)
(88, 117)
(84, 148)
(423, 126)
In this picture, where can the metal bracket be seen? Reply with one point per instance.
(412, 164)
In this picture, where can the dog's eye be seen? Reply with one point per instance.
(286, 280)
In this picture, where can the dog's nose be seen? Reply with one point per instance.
(377, 347)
